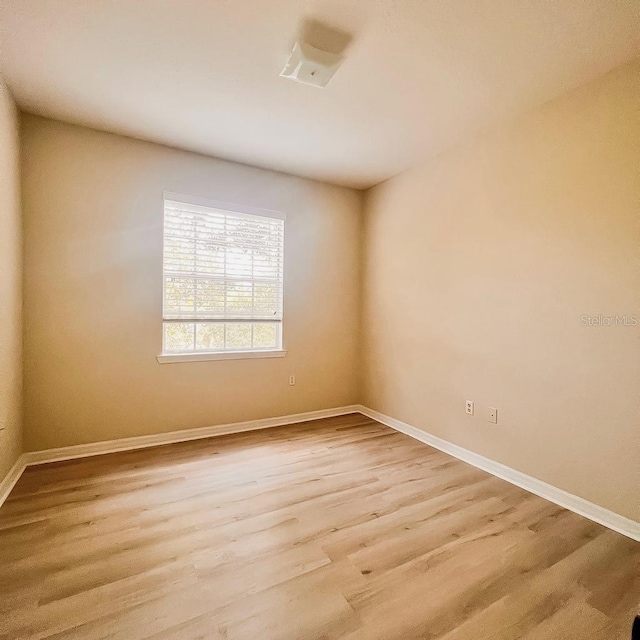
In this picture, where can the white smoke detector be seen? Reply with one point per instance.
(311, 66)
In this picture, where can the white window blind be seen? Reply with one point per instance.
(223, 279)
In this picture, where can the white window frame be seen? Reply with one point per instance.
(198, 356)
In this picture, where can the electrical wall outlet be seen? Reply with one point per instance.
(493, 415)
(469, 407)
(292, 380)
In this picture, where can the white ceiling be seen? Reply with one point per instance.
(203, 74)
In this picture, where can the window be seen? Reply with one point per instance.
(223, 279)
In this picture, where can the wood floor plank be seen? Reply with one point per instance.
(334, 529)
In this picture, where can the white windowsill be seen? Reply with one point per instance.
(169, 358)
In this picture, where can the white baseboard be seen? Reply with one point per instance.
(610, 519)
(574, 503)
(140, 442)
(11, 478)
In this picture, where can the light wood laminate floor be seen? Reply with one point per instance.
(339, 528)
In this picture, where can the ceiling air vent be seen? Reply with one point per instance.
(311, 66)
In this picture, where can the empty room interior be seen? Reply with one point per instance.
(319, 320)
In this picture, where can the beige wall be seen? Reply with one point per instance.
(478, 268)
(10, 287)
(93, 291)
